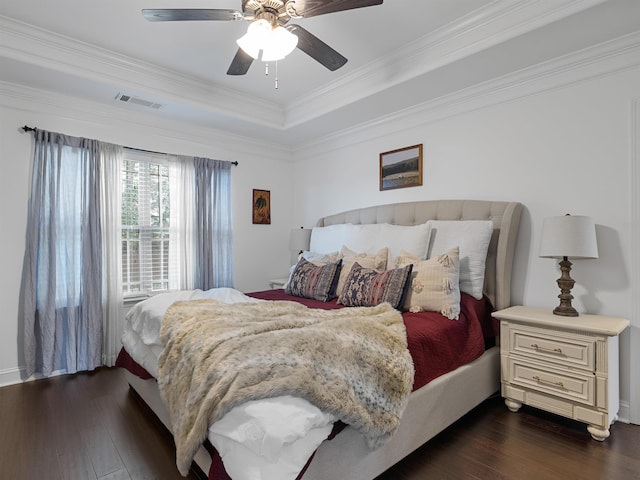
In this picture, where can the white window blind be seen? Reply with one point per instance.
(146, 219)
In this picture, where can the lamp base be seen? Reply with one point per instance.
(565, 282)
(565, 311)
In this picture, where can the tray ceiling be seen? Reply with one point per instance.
(400, 54)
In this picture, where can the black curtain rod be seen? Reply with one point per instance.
(160, 153)
(33, 129)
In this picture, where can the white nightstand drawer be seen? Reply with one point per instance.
(574, 386)
(565, 365)
(546, 345)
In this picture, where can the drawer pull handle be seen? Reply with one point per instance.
(542, 380)
(544, 349)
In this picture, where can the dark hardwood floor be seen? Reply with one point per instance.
(90, 426)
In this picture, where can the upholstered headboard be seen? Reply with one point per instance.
(505, 217)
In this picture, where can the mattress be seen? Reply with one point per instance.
(274, 438)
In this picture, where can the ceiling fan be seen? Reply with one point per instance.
(274, 14)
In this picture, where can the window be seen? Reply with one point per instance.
(146, 217)
(78, 219)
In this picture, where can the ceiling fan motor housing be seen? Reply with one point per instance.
(274, 11)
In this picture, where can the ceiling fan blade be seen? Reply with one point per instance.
(181, 14)
(240, 63)
(312, 8)
(317, 49)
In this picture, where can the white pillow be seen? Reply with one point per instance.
(371, 238)
(412, 239)
(328, 239)
(472, 237)
(366, 239)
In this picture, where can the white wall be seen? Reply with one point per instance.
(557, 149)
(260, 251)
(563, 150)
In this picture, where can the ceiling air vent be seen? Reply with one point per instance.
(138, 101)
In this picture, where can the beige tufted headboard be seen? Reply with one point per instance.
(505, 217)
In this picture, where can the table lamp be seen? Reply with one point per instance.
(568, 236)
(299, 240)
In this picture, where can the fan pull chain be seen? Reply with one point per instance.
(266, 72)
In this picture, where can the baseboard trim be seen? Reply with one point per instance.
(12, 376)
(624, 414)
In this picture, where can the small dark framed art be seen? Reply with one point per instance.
(401, 168)
(261, 207)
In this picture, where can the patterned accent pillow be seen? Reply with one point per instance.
(314, 281)
(365, 287)
(434, 284)
(317, 259)
(377, 261)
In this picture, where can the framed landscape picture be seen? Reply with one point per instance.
(401, 168)
(261, 207)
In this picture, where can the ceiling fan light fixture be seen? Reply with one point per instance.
(257, 36)
(281, 43)
(275, 43)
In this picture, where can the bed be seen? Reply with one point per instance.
(438, 399)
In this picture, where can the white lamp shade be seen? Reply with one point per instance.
(256, 37)
(275, 43)
(568, 236)
(299, 239)
(281, 43)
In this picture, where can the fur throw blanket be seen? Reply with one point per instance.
(351, 362)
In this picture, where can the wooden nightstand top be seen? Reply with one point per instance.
(278, 282)
(599, 324)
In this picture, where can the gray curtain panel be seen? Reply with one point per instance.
(62, 277)
(213, 229)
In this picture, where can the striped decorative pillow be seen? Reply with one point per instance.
(365, 287)
(313, 281)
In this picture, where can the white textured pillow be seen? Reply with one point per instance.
(473, 238)
(349, 257)
(434, 283)
(329, 239)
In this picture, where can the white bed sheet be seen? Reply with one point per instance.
(269, 439)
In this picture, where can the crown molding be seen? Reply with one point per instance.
(56, 105)
(604, 59)
(486, 27)
(30, 44)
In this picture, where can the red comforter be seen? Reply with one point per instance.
(437, 345)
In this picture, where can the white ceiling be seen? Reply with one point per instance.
(401, 53)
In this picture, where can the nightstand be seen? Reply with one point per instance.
(277, 283)
(564, 365)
